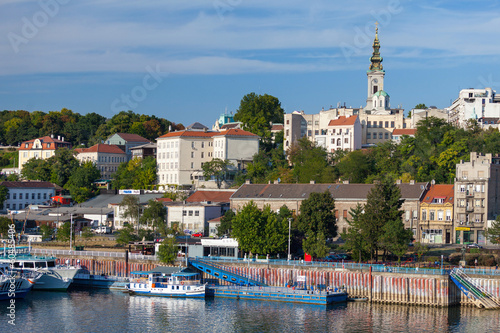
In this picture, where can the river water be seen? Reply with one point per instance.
(115, 311)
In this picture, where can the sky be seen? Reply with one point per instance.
(190, 61)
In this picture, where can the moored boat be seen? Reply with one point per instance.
(161, 283)
(53, 276)
(13, 284)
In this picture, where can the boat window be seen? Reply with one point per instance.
(51, 264)
(18, 264)
(40, 264)
(28, 264)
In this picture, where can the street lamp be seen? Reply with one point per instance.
(71, 233)
(289, 228)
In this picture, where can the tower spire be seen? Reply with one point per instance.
(376, 59)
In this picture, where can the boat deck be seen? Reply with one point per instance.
(277, 294)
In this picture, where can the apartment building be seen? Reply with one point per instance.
(181, 154)
(436, 215)
(482, 105)
(477, 197)
(343, 133)
(42, 148)
(21, 194)
(126, 141)
(106, 158)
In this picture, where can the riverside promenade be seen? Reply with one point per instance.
(378, 283)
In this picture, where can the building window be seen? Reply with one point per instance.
(14, 196)
(192, 165)
(32, 196)
(407, 215)
(440, 215)
(448, 215)
(316, 132)
(316, 123)
(380, 124)
(344, 213)
(386, 135)
(196, 213)
(392, 124)
(380, 135)
(432, 216)
(288, 121)
(20, 195)
(386, 124)
(309, 133)
(369, 124)
(202, 154)
(184, 212)
(368, 135)
(287, 132)
(346, 140)
(190, 213)
(39, 196)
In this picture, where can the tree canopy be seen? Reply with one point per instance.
(216, 169)
(257, 112)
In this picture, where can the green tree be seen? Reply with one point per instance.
(81, 182)
(317, 222)
(248, 228)
(355, 166)
(353, 236)
(420, 249)
(130, 207)
(310, 162)
(155, 214)
(4, 192)
(47, 231)
(4, 225)
(421, 106)
(126, 235)
(493, 232)
(136, 174)
(63, 164)
(37, 169)
(87, 233)
(216, 168)
(225, 227)
(396, 237)
(167, 251)
(382, 206)
(63, 233)
(257, 112)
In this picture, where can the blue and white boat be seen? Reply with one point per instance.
(53, 276)
(13, 284)
(161, 283)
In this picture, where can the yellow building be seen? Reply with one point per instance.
(436, 215)
(42, 148)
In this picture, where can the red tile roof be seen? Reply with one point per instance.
(164, 199)
(343, 121)
(234, 132)
(404, 131)
(444, 191)
(187, 134)
(101, 148)
(28, 184)
(45, 140)
(200, 134)
(213, 196)
(231, 125)
(277, 127)
(132, 137)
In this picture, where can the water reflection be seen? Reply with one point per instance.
(112, 311)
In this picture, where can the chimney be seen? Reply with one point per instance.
(398, 181)
(312, 182)
(412, 182)
(346, 182)
(58, 137)
(276, 182)
(62, 138)
(247, 181)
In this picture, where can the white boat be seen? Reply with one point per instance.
(13, 284)
(178, 284)
(53, 276)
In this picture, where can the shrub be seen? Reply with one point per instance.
(487, 260)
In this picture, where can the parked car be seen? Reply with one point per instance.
(474, 246)
(102, 230)
(198, 234)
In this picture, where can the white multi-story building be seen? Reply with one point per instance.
(42, 148)
(475, 104)
(106, 158)
(24, 193)
(343, 133)
(181, 154)
(377, 119)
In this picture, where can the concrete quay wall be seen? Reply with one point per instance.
(392, 288)
(108, 266)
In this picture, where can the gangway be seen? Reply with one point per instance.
(478, 294)
(217, 271)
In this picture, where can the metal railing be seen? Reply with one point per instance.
(95, 254)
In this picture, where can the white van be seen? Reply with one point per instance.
(102, 230)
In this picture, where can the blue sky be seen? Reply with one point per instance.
(189, 61)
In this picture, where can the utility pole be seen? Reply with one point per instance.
(289, 232)
(71, 234)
